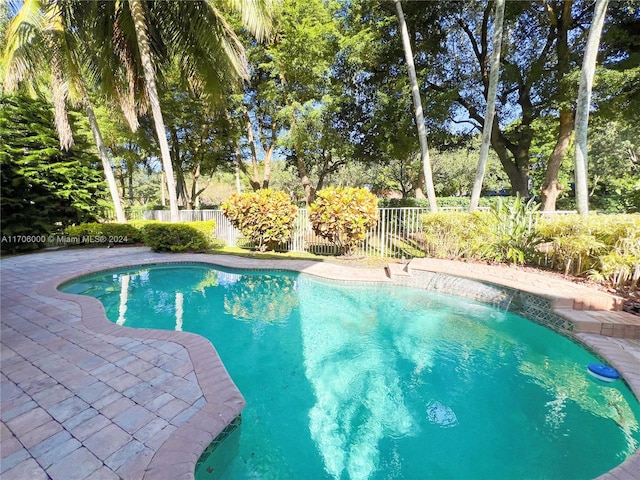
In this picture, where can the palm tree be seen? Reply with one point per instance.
(129, 40)
(36, 38)
(417, 103)
(148, 33)
(584, 101)
(491, 102)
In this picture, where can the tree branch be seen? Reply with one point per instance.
(472, 39)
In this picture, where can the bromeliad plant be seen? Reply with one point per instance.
(515, 235)
(266, 217)
(343, 216)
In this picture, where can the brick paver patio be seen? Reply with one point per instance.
(83, 398)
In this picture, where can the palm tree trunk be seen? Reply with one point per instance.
(417, 103)
(584, 102)
(106, 164)
(137, 13)
(491, 102)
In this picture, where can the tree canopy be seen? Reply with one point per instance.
(326, 98)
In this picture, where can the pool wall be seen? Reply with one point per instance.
(534, 307)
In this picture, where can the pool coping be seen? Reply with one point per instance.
(177, 456)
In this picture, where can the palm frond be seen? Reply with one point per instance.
(60, 93)
(24, 49)
(211, 58)
(255, 15)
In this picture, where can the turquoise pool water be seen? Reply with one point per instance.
(361, 381)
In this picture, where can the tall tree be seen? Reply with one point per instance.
(139, 19)
(43, 187)
(562, 21)
(36, 38)
(491, 102)
(417, 102)
(293, 84)
(137, 39)
(584, 102)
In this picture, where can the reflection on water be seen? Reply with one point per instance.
(262, 299)
(179, 310)
(124, 297)
(358, 397)
(566, 381)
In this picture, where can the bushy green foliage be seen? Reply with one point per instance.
(266, 217)
(455, 234)
(42, 186)
(178, 237)
(207, 228)
(117, 233)
(506, 234)
(174, 237)
(343, 215)
(443, 202)
(606, 247)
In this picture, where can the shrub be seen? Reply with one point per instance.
(515, 237)
(178, 237)
(207, 228)
(117, 233)
(606, 247)
(343, 215)
(266, 217)
(455, 234)
(461, 203)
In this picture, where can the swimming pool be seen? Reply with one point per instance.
(370, 381)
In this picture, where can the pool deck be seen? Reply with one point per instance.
(83, 398)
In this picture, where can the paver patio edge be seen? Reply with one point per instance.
(191, 438)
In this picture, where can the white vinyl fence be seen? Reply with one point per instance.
(396, 234)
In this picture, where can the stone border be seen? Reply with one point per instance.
(177, 457)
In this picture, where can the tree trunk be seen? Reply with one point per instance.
(584, 102)
(239, 166)
(194, 188)
(163, 184)
(491, 102)
(137, 12)
(552, 188)
(268, 157)
(417, 102)
(106, 164)
(238, 187)
(514, 160)
(130, 180)
(418, 186)
(309, 192)
(254, 179)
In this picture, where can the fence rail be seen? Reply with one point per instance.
(397, 233)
